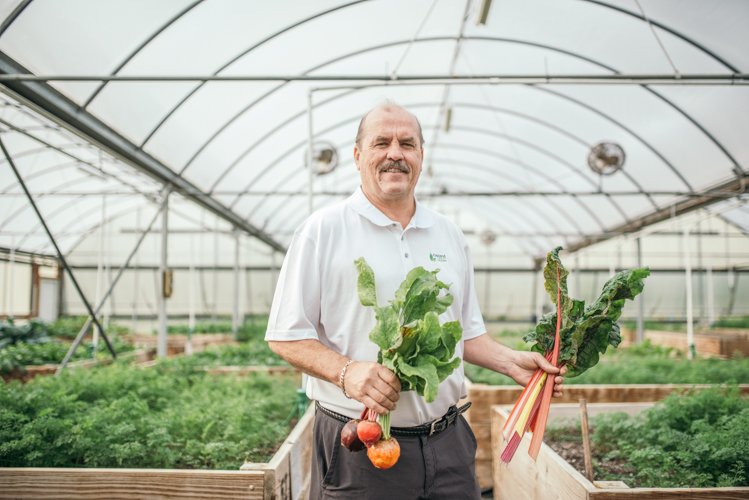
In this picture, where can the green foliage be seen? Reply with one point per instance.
(697, 440)
(67, 326)
(255, 353)
(22, 354)
(643, 364)
(585, 332)
(412, 342)
(34, 332)
(742, 322)
(169, 416)
(250, 330)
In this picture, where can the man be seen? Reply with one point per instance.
(318, 324)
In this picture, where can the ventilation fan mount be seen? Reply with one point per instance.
(606, 158)
(324, 158)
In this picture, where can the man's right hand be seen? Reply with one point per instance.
(372, 384)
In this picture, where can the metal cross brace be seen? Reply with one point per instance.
(57, 249)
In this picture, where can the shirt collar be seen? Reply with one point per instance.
(359, 202)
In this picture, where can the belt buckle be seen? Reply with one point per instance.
(434, 422)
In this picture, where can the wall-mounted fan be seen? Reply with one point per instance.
(488, 237)
(324, 158)
(605, 158)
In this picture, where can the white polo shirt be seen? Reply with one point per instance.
(316, 295)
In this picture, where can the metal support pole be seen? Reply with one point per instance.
(54, 243)
(100, 265)
(191, 289)
(688, 266)
(540, 293)
(640, 300)
(534, 298)
(710, 294)
(11, 271)
(161, 340)
(121, 271)
(135, 277)
(215, 273)
(235, 312)
(310, 176)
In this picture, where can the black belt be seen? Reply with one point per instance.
(427, 429)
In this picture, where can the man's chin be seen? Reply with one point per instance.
(395, 190)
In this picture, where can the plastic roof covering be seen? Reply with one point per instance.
(244, 142)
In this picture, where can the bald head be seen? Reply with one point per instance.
(386, 107)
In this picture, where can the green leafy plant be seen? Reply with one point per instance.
(586, 332)
(697, 439)
(21, 354)
(245, 354)
(412, 342)
(172, 415)
(33, 332)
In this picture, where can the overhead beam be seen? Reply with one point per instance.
(52, 104)
(593, 79)
(737, 186)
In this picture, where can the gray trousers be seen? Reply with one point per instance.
(429, 467)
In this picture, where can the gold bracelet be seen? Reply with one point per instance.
(343, 374)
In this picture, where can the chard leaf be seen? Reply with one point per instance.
(366, 283)
(424, 369)
(431, 333)
(400, 294)
(386, 333)
(586, 332)
(451, 335)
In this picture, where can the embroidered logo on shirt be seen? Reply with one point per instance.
(436, 257)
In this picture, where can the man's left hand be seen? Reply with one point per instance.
(525, 363)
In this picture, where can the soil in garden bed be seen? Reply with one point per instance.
(568, 444)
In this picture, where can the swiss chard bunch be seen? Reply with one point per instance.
(586, 332)
(573, 335)
(413, 344)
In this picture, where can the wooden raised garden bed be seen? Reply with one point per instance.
(485, 396)
(285, 477)
(143, 355)
(717, 343)
(176, 343)
(552, 478)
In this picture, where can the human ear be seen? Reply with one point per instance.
(356, 157)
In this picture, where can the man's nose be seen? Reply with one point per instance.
(395, 152)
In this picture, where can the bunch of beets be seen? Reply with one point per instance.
(382, 449)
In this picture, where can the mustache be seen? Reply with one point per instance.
(395, 164)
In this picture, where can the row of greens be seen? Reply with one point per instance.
(172, 415)
(695, 439)
(40, 343)
(643, 364)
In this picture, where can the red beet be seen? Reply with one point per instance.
(369, 432)
(385, 453)
(349, 439)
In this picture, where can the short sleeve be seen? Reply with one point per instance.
(473, 322)
(295, 313)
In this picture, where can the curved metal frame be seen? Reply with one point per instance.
(488, 170)
(600, 113)
(137, 50)
(413, 106)
(491, 39)
(20, 8)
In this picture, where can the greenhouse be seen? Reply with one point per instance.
(160, 162)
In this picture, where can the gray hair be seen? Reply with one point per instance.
(386, 104)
